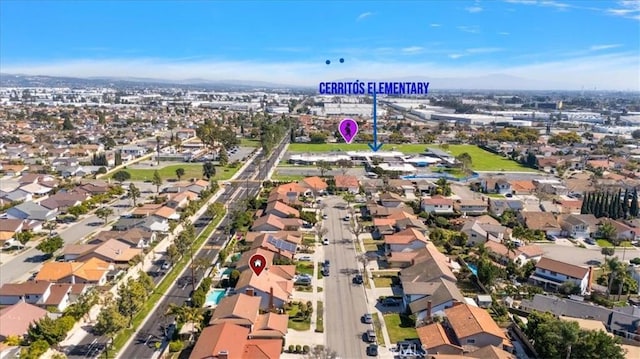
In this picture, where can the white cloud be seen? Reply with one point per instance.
(604, 47)
(413, 49)
(484, 50)
(628, 9)
(504, 33)
(544, 3)
(435, 25)
(618, 71)
(470, 29)
(364, 15)
(473, 9)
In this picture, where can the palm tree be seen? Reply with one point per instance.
(134, 193)
(185, 314)
(443, 187)
(179, 173)
(613, 265)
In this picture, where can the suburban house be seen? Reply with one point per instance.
(407, 240)
(551, 274)
(499, 206)
(471, 207)
(623, 231)
(281, 210)
(62, 201)
(434, 340)
(390, 199)
(9, 228)
(347, 183)
(232, 341)
(17, 318)
(483, 229)
(579, 225)
(522, 187)
(437, 205)
(280, 246)
(292, 191)
(473, 328)
(93, 271)
(272, 289)
(110, 251)
(135, 237)
(315, 184)
(541, 221)
(520, 255)
(32, 292)
(32, 210)
(272, 223)
(244, 310)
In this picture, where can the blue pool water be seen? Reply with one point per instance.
(473, 268)
(214, 297)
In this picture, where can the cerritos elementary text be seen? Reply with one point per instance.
(384, 88)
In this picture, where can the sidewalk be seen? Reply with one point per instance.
(78, 333)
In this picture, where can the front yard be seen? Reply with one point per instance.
(304, 268)
(606, 243)
(400, 327)
(298, 320)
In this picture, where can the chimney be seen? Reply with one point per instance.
(249, 292)
(223, 354)
(590, 280)
(429, 310)
(271, 306)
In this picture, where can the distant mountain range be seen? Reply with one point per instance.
(493, 82)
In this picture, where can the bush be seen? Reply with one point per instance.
(306, 349)
(635, 260)
(291, 348)
(175, 346)
(298, 348)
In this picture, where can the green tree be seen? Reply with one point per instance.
(134, 193)
(50, 245)
(344, 166)
(323, 166)
(67, 125)
(110, 322)
(185, 314)
(104, 213)
(464, 159)
(608, 231)
(173, 253)
(121, 176)
(349, 198)
(443, 187)
(50, 226)
(223, 158)
(131, 298)
(179, 173)
(633, 206)
(156, 181)
(208, 170)
(50, 330)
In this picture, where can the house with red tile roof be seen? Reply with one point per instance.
(347, 183)
(93, 271)
(435, 340)
(407, 240)
(473, 328)
(244, 310)
(272, 223)
(232, 341)
(551, 274)
(274, 290)
(281, 210)
(316, 184)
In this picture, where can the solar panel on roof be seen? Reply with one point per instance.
(282, 245)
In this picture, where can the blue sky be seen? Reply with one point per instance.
(566, 44)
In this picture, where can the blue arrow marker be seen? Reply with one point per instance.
(375, 146)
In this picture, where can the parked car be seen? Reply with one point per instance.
(325, 241)
(551, 237)
(357, 279)
(325, 271)
(391, 302)
(372, 350)
(367, 318)
(325, 216)
(326, 263)
(370, 336)
(303, 280)
(305, 258)
(166, 265)
(346, 218)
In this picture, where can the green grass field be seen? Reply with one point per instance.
(191, 170)
(245, 142)
(400, 327)
(481, 160)
(286, 178)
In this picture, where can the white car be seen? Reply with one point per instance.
(325, 241)
(305, 259)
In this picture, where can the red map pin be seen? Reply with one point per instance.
(257, 263)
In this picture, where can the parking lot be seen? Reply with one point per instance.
(565, 251)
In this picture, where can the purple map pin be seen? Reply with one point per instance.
(348, 129)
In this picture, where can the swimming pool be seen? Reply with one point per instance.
(473, 268)
(214, 297)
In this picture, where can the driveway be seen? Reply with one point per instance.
(345, 301)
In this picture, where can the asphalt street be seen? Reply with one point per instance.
(345, 302)
(143, 346)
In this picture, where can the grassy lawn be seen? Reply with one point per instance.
(319, 289)
(191, 170)
(319, 316)
(304, 268)
(308, 240)
(482, 160)
(286, 178)
(455, 172)
(400, 327)
(485, 161)
(381, 282)
(161, 289)
(297, 323)
(245, 142)
(319, 274)
(606, 243)
(378, 328)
